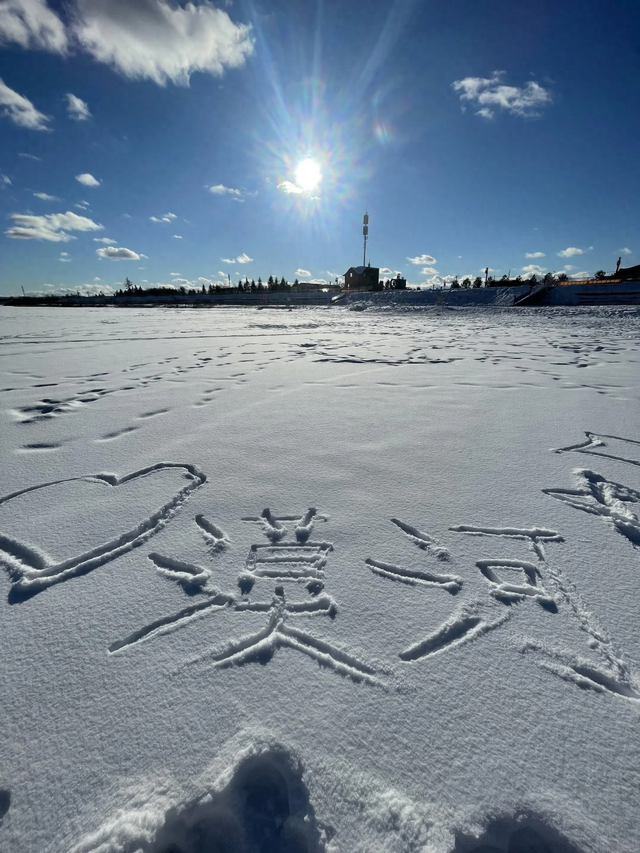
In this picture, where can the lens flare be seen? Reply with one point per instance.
(308, 174)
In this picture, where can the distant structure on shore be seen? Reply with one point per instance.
(362, 278)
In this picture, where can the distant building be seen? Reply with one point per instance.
(629, 273)
(362, 278)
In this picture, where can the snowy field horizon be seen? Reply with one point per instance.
(320, 580)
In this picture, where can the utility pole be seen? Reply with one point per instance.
(365, 234)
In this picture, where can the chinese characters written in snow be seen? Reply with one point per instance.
(288, 560)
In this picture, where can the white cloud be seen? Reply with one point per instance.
(220, 189)
(534, 254)
(32, 24)
(533, 269)
(106, 240)
(570, 252)
(96, 278)
(87, 180)
(490, 93)
(51, 227)
(419, 260)
(159, 40)
(30, 157)
(289, 187)
(83, 205)
(20, 110)
(166, 217)
(385, 271)
(626, 251)
(244, 258)
(65, 257)
(46, 197)
(118, 254)
(177, 237)
(428, 271)
(77, 108)
(228, 260)
(318, 281)
(5, 181)
(581, 274)
(300, 273)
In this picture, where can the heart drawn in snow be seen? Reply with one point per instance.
(32, 570)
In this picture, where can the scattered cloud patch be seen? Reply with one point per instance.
(65, 257)
(177, 237)
(570, 252)
(20, 110)
(118, 254)
(46, 197)
(490, 94)
(161, 41)
(228, 260)
(385, 271)
(428, 271)
(52, 227)
(5, 181)
(420, 260)
(626, 251)
(166, 217)
(300, 273)
(244, 259)
(220, 189)
(77, 108)
(289, 187)
(87, 180)
(32, 24)
(580, 275)
(534, 254)
(106, 240)
(30, 157)
(533, 269)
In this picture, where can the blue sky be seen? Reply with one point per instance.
(161, 140)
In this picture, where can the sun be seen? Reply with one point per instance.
(308, 174)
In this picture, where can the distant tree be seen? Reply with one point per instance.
(270, 283)
(490, 281)
(600, 275)
(260, 285)
(563, 277)
(296, 283)
(533, 279)
(128, 283)
(283, 283)
(455, 284)
(466, 282)
(253, 286)
(549, 278)
(518, 278)
(477, 282)
(204, 289)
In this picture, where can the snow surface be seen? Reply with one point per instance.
(320, 580)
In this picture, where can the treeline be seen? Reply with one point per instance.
(273, 285)
(548, 279)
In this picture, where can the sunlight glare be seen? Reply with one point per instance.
(308, 174)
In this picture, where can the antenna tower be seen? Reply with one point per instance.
(365, 234)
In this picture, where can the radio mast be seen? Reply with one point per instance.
(365, 234)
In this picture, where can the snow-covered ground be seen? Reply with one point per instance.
(320, 580)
